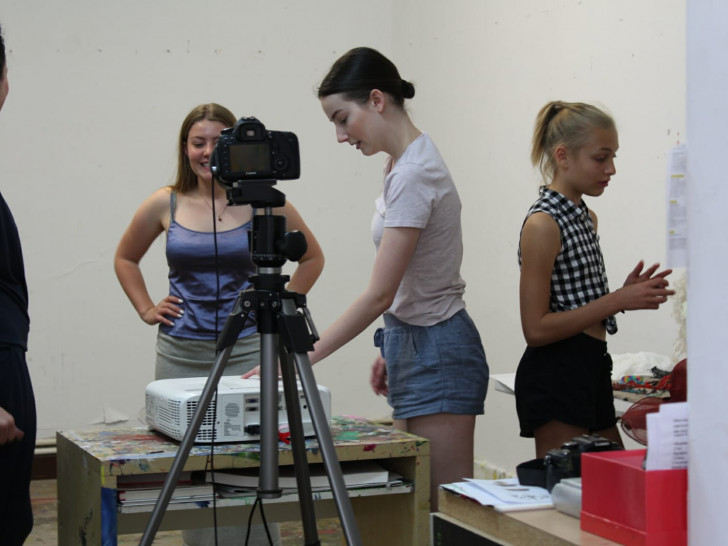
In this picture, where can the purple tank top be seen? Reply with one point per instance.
(193, 276)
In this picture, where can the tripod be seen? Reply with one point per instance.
(283, 322)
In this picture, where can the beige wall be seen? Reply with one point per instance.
(98, 90)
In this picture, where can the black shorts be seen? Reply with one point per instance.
(568, 381)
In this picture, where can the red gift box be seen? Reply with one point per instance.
(624, 503)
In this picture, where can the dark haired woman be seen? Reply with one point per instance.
(433, 369)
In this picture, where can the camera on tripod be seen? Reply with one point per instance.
(248, 151)
(565, 462)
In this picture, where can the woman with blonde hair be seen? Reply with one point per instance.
(563, 382)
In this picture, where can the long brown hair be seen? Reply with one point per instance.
(186, 179)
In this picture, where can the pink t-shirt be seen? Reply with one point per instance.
(419, 193)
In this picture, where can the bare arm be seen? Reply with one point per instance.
(393, 257)
(145, 227)
(540, 244)
(312, 263)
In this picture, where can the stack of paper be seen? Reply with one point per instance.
(182, 493)
(356, 474)
(667, 437)
(503, 495)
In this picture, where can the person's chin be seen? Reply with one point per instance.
(598, 190)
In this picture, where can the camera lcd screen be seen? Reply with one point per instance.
(250, 157)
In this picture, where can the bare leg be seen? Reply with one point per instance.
(451, 439)
(611, 433)
(553, 434)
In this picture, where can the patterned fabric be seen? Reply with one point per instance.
(579, 275)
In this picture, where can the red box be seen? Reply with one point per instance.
(624, 503)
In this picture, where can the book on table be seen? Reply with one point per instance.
(356, 474)
(146, 488)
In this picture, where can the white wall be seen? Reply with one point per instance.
(707, 121)
(484, 69)
(98, 90)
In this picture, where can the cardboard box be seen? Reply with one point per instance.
(624, 503)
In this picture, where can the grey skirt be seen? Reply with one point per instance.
(183, 357)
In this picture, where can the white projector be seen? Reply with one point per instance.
(171, 403)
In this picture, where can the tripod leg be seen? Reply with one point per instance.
(185, 446)
(268, 481)
(298, 447)
(294, 334)
(232, 327)
(328, 451)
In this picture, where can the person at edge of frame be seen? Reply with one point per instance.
(17, 401)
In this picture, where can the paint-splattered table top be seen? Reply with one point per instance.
(120, 451)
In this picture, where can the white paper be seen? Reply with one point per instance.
(505, 382)
(667, 437)
(676, 191)
(504, 495)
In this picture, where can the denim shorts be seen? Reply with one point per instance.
(434, 369)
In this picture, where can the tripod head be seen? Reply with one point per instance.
(270, 245)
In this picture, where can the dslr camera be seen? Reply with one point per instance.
(565, 462)
(248, 151)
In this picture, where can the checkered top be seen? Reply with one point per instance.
(579, 275)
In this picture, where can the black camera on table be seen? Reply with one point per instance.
(248, 151)
(565, 462)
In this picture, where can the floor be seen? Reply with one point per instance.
(44, 533)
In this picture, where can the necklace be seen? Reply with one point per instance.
(209, 206)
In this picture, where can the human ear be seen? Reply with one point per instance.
(561, 156)
(377, 98)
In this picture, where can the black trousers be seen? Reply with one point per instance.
(16, 458)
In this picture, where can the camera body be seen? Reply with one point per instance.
(248, 151)
(565, 462)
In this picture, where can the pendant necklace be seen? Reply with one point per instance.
(219, 214)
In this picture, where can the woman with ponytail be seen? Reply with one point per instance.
(432, 366)
(563, 382)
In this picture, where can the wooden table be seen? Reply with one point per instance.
(526, 528)
(90, 463)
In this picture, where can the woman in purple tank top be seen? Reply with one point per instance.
(209, 264)
(207, 253)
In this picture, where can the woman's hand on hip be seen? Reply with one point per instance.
(168, 307)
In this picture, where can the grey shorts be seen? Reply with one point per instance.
(434, 369)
